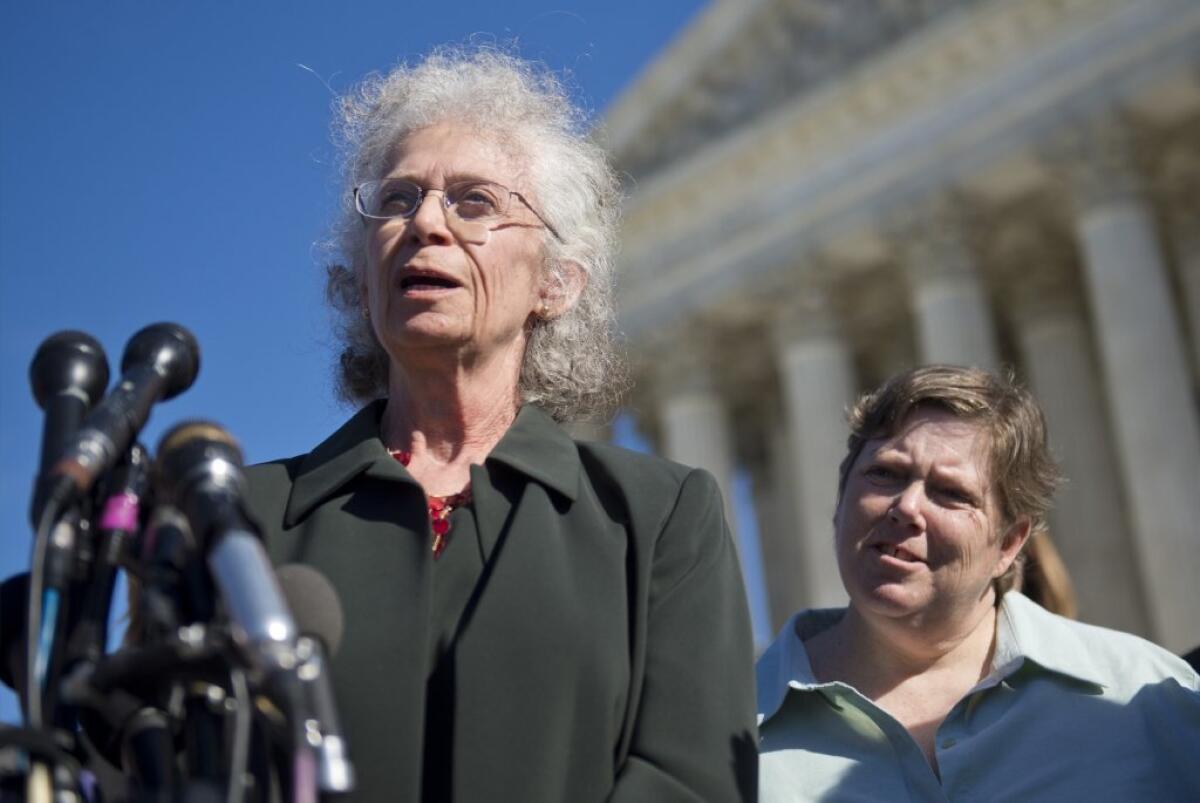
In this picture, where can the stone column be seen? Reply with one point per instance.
(780, 537)
(694, 422)
(1152, 402)
(1089, 522)
(950, 304)
(1186, 235)
(1180, 176)
(817, 380)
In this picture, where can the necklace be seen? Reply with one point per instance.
(440, 507)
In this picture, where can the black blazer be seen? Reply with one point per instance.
(608, 655)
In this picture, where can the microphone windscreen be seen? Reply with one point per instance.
(314, 604)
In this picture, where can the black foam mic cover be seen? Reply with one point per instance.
(68, 374)
(314, 604)
(160, 362)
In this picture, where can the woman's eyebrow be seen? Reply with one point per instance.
(960, 478)
(890, 454)
(459, 176)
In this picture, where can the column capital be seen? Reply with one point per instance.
(1097, 159)
(1034, 264)
(934, 237)
(1050, 295)
(806, 313)
(678, 359)
(1178, 179)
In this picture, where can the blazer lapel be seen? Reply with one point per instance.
(353, 450)
(534, 448)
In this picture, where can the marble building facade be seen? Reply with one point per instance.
(823, 192)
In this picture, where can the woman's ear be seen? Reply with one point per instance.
(1012, 542)
(561, 290)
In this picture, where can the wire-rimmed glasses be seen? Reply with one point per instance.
(472, 208)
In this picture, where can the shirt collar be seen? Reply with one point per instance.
(1027, 632)
(533, 445)
(354, 449)
(1024, 632)
(537, 447)
(785, 664)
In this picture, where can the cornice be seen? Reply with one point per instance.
(920, 114)
(742, 59)
(921, 71)
(638, 109)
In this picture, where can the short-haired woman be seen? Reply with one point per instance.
(938, 682)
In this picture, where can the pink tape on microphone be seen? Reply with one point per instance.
(120, 513)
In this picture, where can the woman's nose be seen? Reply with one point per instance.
(907, 507)
(428, 225)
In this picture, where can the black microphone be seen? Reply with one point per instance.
(119, 523)
(160, 362)
(68, 374)
(199, 470)
(314, 603)
(319, 617)
(174, 590)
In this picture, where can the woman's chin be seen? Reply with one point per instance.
(427, 330)
(892, 600)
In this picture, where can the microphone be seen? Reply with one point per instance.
(160, 362)
(119, 523)
(314, 603)
(68, 374)
(319, 617)
(174, 590)
(199, 470)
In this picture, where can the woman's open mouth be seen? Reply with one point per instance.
(899, 553)
(426, 283)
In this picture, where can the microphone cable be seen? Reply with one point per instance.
(40, 638)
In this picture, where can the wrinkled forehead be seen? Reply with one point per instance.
(960, 443)
(461, 150)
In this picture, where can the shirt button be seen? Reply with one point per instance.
(948, 743)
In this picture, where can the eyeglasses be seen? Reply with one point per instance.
(472, 207)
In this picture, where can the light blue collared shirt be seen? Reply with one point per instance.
(1069, 712)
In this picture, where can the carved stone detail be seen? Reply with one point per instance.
(1178, 179)
(807, 309)
(1097, 159)
(782, 49)
(1034, 266)
(934, 236)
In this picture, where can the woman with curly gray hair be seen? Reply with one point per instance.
(528, 617)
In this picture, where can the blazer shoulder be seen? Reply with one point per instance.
(273, 475)
(635, 469)
(1120, 661)
(651, 488)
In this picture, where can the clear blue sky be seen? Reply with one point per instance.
(172, 161)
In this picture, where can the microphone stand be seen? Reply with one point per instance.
(209, 669)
